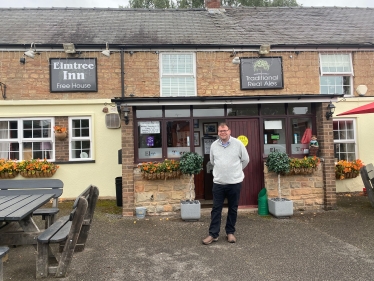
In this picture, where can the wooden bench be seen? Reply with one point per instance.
(70, 231)
(36, 186)
(367, 175)
(3, 251)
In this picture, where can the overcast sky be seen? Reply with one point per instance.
(116, 3)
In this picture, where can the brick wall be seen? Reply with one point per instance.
(216, 74)
(326, 151)
(160, 196)
(306, 191)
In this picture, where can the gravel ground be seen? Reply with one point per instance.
(324, 245)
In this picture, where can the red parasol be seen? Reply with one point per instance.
(367, 108)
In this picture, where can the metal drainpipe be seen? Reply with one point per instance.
(122, 73)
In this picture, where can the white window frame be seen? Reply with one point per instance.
(180, 75)
(21, 140)
(349, 73)
(354, 140)
(72, 138)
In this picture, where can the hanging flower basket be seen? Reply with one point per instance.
(8, 168)
(36, 168)
(60, 132)
(60, 136)
(8, 175)
(169, 169)
(37, 174)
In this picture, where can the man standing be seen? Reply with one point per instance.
(229, 157)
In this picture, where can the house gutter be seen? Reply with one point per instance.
(157, 101)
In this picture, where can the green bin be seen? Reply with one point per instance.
(263, 209)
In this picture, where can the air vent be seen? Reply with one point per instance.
(112, 121)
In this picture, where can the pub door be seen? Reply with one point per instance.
(248, 129)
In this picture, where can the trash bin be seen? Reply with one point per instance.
(119, 191)
(263, 209)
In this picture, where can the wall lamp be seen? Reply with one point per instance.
(330, 110)
(264, 49)
(69, 48)
(126, 111)
(236, 60)
(31, 53)
(106, 52)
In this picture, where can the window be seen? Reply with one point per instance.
(344, 139)
(80, 138)
(336, 74)
(26, 138)
(274, 136)
(178, 77)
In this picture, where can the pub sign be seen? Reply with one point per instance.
(261, 73)
(73, 75)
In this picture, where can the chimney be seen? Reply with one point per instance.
(212, 4)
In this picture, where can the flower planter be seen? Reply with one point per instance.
(37, 174)
(60, 135)
(280, 207)
(8, 175)
(190, 210)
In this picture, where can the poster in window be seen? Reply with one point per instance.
(196, 138)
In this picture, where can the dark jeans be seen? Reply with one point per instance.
(220, 192)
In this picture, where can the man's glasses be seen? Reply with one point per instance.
(223, 131)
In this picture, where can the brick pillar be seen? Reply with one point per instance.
(128, 194)
(326, 149)
(212, 4)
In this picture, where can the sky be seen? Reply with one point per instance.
(116, 3)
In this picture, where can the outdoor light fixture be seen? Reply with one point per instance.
(31, 53)
(106, 52)
(69, 48)
(236, 60)
(125, 111)
(330, 110)
(264, 49)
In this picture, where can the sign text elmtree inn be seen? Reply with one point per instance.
(73, 75)
(261, 73)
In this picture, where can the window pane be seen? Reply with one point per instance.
(272, 109)
(154, 111)
(201, 110)
(301, 128)
(178, 138)
(178, 75)
(274, 135)
(80, 148)
(177, 111)
(149, 139)
(335, 85)
(344, 138)
(336, 63)
(242, 110)
(8, 129)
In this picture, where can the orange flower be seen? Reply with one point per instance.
(59, 129)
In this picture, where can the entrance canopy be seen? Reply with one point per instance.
(367, 108)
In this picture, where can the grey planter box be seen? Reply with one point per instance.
(190, 212)
(280, 208)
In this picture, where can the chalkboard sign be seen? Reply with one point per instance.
(73, 75)
(261, 73)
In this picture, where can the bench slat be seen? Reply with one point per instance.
(31, 184)
(48, 233)
(3, 251)
(61, 234)
(46, 211)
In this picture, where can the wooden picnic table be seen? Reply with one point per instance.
(16, 213)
